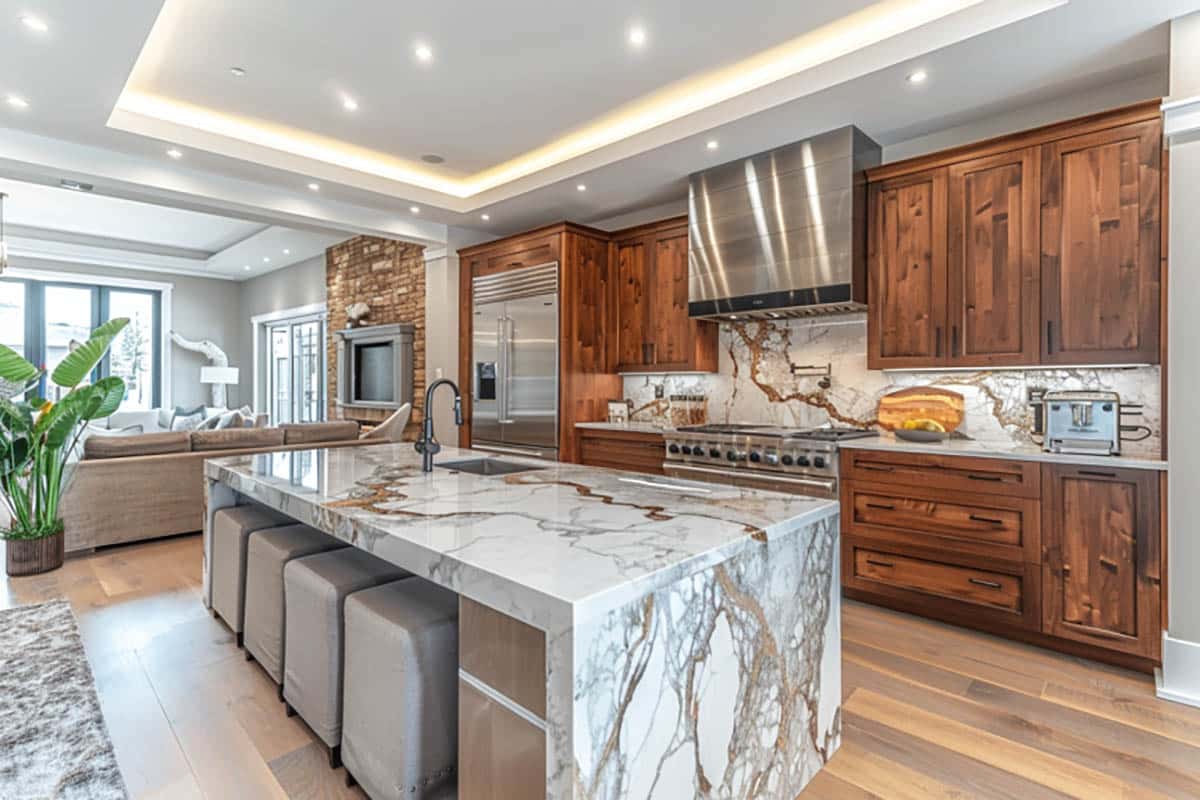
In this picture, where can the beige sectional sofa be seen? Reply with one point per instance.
(129, 488)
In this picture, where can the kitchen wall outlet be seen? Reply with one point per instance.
(659, 391)
(437, 374)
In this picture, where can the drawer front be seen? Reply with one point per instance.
(978, 524)
(961, 473)
(944, 589)
(622, 450)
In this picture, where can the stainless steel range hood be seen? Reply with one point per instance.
(782, 233)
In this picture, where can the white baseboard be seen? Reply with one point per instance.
(1179, 678)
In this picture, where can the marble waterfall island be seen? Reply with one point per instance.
(675, 639)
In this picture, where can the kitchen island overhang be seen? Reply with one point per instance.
(691, 633)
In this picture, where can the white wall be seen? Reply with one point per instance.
(201, 308)
(301, 284)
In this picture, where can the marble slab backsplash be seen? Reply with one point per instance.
(756, 384)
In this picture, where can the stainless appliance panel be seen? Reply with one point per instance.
(530, 412)
(486, 371)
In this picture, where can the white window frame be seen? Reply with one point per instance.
(259, 324)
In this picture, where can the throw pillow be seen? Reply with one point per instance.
(236, 418)
(187, 419)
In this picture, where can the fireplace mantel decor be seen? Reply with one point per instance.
(375, 366)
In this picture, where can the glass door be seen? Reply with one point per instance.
(295, 360)
(70, 312)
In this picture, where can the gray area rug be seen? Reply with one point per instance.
(53, 742)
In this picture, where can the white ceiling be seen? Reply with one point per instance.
(505, 78)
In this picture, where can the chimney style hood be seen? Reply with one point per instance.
(782, 233)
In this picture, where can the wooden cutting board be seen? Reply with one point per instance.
(921, 402)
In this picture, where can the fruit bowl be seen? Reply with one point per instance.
(921, 436)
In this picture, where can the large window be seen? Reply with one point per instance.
(41, 320)
(295, 361)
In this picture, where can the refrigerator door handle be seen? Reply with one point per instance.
(504, 379)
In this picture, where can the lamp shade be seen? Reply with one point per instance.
(218, 374)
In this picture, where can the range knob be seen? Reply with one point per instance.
(788, 461)
(687, 450)
(734, 455)
(714, 453)
(756, 456)
(674, 448)
(802, 461)
(819, 462)
(772, 459)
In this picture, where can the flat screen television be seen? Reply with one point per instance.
(374, 372)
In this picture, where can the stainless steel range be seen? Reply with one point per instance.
(794, 460)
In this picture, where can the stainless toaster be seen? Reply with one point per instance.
(1082, 422)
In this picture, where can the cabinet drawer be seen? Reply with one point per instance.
(625, 450)
(978, 524)
(946, 589)
(961, 473)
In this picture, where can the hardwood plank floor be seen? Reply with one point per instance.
(930, 710)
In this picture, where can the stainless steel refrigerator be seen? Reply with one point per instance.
(514, 357)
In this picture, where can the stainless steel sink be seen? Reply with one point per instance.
(486, 466)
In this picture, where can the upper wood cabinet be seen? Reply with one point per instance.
(906, 292)
(653, 330)
(1038, 248)
(1102, 565)
(993, 269)
(1100, 246)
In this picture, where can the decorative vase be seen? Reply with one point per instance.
(33, 556)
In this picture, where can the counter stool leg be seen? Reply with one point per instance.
(350, 782)
(335, 756)
(287, 709)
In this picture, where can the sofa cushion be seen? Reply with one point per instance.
(147, 444)
(313, 432)
(237, 438)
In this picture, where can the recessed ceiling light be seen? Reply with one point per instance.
(16, 101)
(918, 77)
(246, 267)
(433, 158)
(349, 103)
(34, 23)
(712, 144)
(581, 187)
(175, 153)
(414, 209)
(266, 259)
(287, 252)
(485, 217)
(237, 72)
(637, 36)
(423, 52)
(316, 187)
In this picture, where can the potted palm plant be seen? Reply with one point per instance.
(37, 438)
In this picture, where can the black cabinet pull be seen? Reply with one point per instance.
(1097, 474)
(1050, 337)
(937, 341)
(953, 340)
(992, 478)
(875, 563)
(876, 469)
(991, 520)
(883, 506)
(986, 584)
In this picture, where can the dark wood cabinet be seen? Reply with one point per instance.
(1042, 247)
(1102, 563)
(993, 267)
(907, 266)
(653, 330)
(1100, 246)
(613, 448)
(1064, 556)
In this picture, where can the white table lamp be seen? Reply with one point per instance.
(219, 377)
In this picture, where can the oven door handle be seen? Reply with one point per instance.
(818, 483)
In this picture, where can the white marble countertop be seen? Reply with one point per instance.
(992, 449)
(550, 547)
(636, 427)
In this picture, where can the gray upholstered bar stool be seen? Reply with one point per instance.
(315, 591)
(266, 555)
(400, 718)
(230, 533)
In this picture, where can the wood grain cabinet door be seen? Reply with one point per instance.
(673, 340)
(1102, 563)
(1100, 243)
(634, 285)
(907, 271)
(993, 261)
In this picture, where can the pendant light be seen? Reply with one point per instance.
(3, 241)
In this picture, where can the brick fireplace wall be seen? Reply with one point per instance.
(389, 276)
